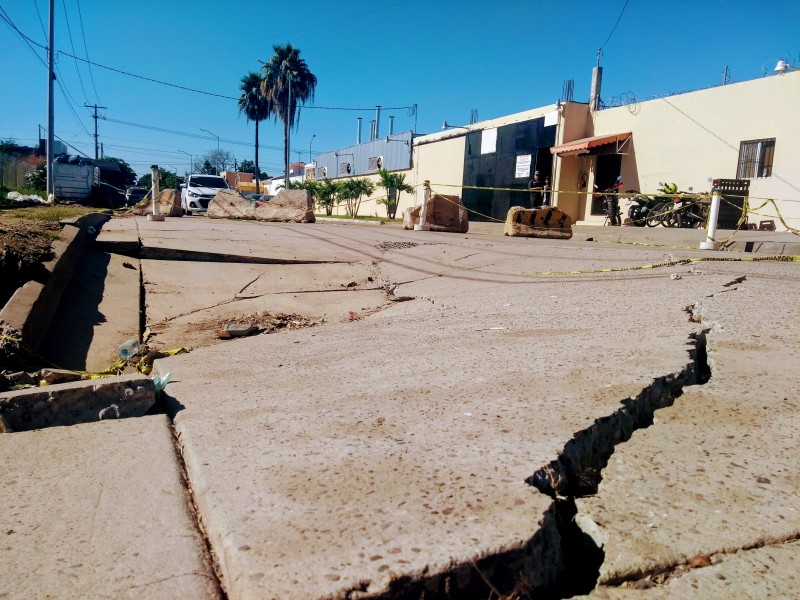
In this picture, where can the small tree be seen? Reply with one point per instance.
(353, 190)
(393, 183)
(325, 193)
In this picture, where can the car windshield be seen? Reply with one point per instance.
(209, 181)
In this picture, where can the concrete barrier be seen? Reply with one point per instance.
(289, 206)
(546, 222)
(445, 213)
(77, 402)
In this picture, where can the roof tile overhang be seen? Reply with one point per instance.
(599, 144)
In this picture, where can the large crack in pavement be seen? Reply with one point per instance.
(577, 471)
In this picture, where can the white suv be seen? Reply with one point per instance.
(199, 190)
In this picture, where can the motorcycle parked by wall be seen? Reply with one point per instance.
(641, 208)
(610, 201)
(691, 212)
(661, 211)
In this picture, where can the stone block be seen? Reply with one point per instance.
(288, 206)
(546, 222)
(169, 204)
(77, 402)
(445, 213)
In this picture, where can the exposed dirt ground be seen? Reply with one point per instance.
(24, 246)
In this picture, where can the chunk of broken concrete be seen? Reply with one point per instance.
(547, 222)
(53, 376)
(445, 213)
(77, 402)
(288, 206)
(240, 329)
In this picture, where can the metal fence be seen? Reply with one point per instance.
(13, 171)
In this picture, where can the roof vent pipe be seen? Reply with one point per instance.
(358, 130)
(377, 121)
(372, 130)
(391, 124)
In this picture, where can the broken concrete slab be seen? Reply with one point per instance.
(288, 206)
(445, 213)
(547, 222)
(83, 516)
(169, 204)
(77, 402)
(735, 481)
(767, 572)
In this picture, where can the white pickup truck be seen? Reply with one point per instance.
(199, 190)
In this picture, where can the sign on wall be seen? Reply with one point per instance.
(489, 140)
(523, 166)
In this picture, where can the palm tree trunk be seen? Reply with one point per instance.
(258, 182)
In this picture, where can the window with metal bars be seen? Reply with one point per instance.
(755, 158)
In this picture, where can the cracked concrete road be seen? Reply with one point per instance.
(388, 456)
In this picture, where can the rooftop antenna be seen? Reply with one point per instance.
(473, 116)
(726, 73)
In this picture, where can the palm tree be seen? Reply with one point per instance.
(393, 183)
(256, 107)
(288, 83)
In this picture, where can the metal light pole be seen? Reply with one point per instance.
(216, 136)
(309, 147)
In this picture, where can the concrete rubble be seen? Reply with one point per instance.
(500, 433)
(75, 402)
(444, 213)
(288, 206)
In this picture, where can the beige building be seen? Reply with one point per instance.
(748, 130)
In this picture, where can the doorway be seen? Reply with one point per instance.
(607, 169)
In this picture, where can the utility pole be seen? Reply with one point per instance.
(50, 111)
(95, 107)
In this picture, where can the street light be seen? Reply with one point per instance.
(216, 136)
(191, 160)
(309, 147)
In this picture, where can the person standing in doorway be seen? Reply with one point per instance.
(546, 192)
(535, 187)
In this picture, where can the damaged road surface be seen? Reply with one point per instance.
(498, 435)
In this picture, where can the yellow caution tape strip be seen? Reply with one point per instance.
(671, 263)
(144, 365)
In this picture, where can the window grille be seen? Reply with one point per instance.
(755, 158)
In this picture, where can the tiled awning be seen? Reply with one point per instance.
(599, 144)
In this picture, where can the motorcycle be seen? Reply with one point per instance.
(690, 212)
(641, 208)
(662, 212)
(611, 202)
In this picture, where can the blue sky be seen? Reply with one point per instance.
(446, 57)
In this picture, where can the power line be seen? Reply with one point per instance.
(214, 94)
(28, 41)
(86, 50)
(69, 31)
(615, 25)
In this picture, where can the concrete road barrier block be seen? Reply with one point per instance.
(547, 222)
(445, 213)
(169, 202)
(289, 206)
(77, 402)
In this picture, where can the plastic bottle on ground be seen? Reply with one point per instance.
(128, 348)
(348, 315)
